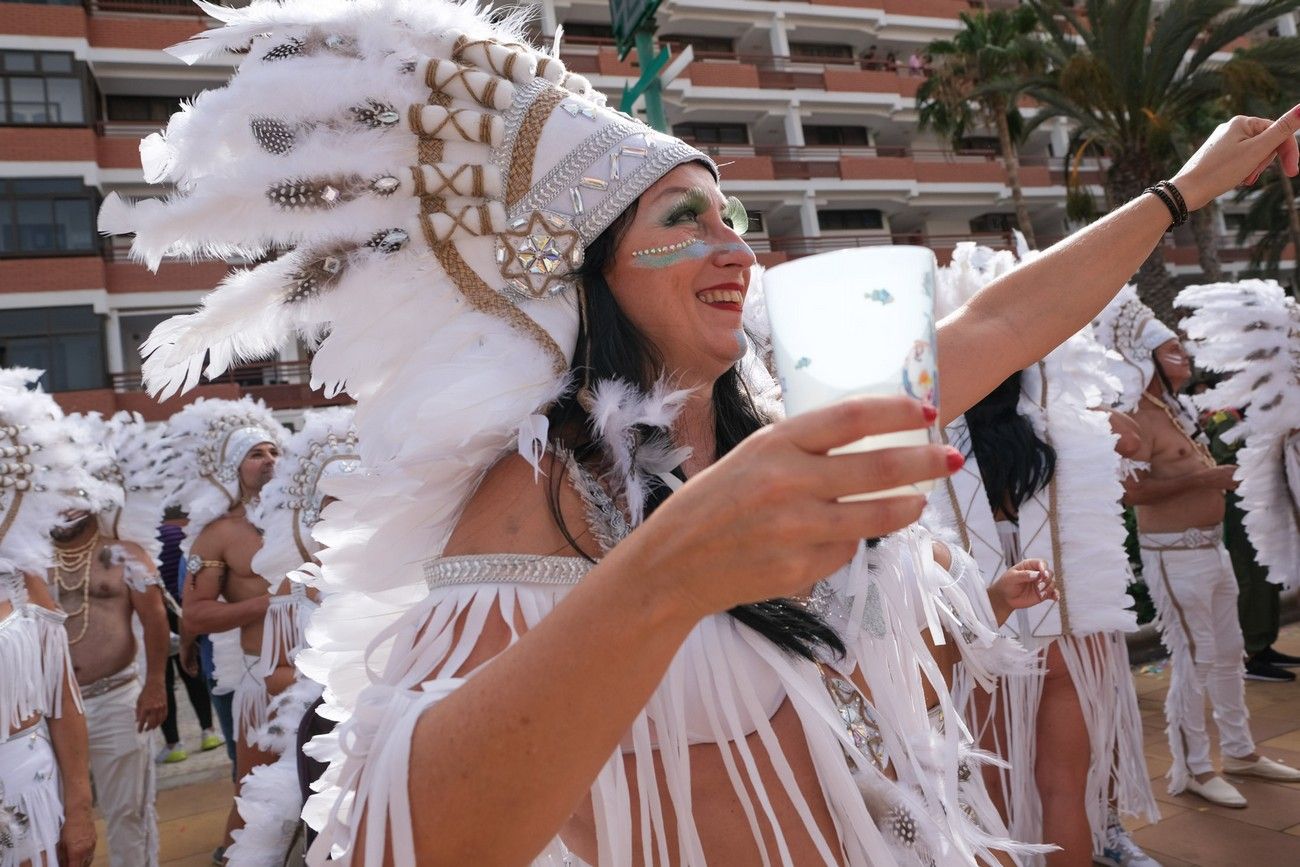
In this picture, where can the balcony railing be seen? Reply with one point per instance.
(260, 374)
(153, 7)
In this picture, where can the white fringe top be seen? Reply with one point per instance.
(895, 778)
(34, 658)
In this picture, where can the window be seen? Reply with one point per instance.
(821, 49)
(142, 108)
(713, 133)
(588, 31)
(841, 136)
(856, 220)
(994, 223)
(701, 44)
(979, 144)
(755, 222)
(43, 216)
(65, 342)
(41, 87)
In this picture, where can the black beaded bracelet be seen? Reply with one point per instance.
(1173, 199)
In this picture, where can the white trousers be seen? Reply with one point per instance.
(121, 765)
(1192, 585)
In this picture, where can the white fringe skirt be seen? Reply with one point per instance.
(31, 804)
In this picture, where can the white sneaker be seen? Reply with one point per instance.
(1120, 850)
(1217, 790)
(1264, 768)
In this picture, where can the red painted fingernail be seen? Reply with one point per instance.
(955, 459)
(930, 412)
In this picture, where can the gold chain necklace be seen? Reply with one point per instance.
(1198, 446)
(73, 560)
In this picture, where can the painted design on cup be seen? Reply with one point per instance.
(802, 363)
(880, 296)
(918, 372)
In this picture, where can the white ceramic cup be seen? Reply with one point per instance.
(856, 321)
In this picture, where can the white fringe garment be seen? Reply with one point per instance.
(710, 683)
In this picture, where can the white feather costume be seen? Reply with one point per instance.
(205, 444)
(1075, 525)
(1250, 330)
(289, 507)
(41, 476)
(435, 183)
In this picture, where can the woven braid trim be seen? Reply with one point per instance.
(530, 133)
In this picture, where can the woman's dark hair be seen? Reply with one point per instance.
(611, 347)
(1013, 461)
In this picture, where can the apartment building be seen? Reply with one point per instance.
(808, 105)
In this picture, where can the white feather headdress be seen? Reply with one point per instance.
(434, 182)
(1132, 331)
(1250, 330)
(125, 454)
(41, 472)
(205, 444)
(290, 505)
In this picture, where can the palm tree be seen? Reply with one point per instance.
(1131, 84)
(1271, 223)
(978, 78)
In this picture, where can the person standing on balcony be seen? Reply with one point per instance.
(106, 581)
(915, 66)
(1179, 500)
(225, 452)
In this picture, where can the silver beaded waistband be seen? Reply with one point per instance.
(107, 684)
(1191, 538)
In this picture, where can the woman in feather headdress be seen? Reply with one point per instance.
(608, 663)
(1042, 480)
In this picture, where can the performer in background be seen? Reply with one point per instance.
(1042, 480)
(1179, 500)
(224, 453)
(45, 797)
(291, 504)
(1248, 333)
(106, 581)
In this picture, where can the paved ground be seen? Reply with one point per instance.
(195, 795)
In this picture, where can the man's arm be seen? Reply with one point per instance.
(71, 745)
(201, 611)
(145, 590)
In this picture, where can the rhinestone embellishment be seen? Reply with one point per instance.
(537, 254)
(576, 108)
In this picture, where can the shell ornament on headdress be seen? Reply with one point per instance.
(1132, 330)
(290, 506)
(204, 445)
(1250, 331)
(128, 458)
(41, 472)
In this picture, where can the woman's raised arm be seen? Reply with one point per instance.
(1022, 316)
